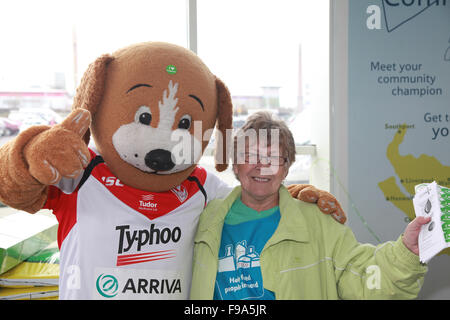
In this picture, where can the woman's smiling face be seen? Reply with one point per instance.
(260, 181)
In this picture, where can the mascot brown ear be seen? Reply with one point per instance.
(224, 122)
(90, 91)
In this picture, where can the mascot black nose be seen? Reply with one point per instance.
(159, 160)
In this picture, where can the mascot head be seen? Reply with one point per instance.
(153, 107)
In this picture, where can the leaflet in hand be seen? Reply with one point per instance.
(432, 200)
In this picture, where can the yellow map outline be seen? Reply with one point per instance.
(411, 171)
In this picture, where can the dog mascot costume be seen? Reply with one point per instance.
(127, 210)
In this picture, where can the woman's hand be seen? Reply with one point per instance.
(411, 235)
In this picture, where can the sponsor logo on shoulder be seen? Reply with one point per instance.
(111, 181)
(180, 192)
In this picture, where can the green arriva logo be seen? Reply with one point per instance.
(107, 285)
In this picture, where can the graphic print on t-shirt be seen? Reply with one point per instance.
(239, 272)
(242, 257)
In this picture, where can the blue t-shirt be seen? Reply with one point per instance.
(244, 235)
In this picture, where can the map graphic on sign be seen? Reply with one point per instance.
(410, 171)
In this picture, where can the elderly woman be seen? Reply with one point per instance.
(260, 243)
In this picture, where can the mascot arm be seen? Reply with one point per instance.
(326, 202)
(40, 156)
(18, 188)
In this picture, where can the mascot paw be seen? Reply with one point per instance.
(295, 189)
(60, 151)
(326, 202)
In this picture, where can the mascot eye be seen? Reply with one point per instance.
(185, 122)
(143, 115)
(145, 118)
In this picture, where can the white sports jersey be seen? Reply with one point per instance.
(117, 242)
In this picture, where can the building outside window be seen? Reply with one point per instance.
(267, 52)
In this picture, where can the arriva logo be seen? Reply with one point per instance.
(107, 285)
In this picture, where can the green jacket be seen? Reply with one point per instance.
(311, 256)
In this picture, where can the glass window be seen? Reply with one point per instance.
(271, 55)
(48, 44)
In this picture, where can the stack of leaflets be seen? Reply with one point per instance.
(29, 293)
(35, 278)
(29, 257)
(432, 200)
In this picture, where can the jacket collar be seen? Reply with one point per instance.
(292, 225)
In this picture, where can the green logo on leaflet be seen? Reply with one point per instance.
(107, 286)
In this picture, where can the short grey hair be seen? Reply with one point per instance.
(266, 120)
